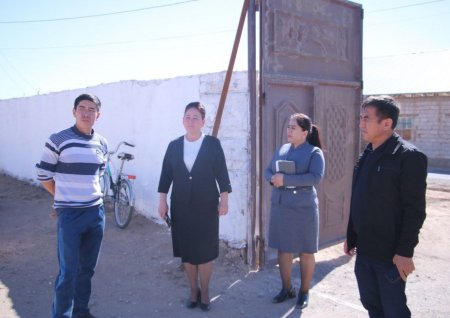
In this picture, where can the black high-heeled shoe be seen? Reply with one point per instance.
(205, 307)
(192, 304)
(283, 295)
(302, 300)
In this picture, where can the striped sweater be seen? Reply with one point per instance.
(75, 162)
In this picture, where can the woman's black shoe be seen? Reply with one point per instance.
(283, 295)
(204, 307)
(192, 304)
(302, 300)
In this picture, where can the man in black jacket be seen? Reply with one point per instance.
(387, 210)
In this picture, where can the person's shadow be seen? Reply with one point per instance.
(323, 268)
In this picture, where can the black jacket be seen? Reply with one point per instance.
(198, 187)
(394, 202)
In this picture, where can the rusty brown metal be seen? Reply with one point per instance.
(252, 232)
(226, 83)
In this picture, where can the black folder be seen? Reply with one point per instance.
(285, 166)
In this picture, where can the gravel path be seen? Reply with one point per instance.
(138, 277)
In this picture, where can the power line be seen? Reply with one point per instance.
(187, 35)
(405, 54)
(9, 75)
(422, 17)
(118, 42)
(406, 6)
(97, 15)
(18, 73)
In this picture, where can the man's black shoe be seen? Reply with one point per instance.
(83, 315)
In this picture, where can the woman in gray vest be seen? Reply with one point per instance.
(294, 171)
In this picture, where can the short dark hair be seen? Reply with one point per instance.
(197, 105)
(386, 107)
(89, 97)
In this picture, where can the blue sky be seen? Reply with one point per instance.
(406, 43)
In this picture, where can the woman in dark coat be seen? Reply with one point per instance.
(294, 215)
(194, 164)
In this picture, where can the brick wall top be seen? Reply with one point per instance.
(415, 95)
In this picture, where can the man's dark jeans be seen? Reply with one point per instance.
(381, 288)
(80, 234)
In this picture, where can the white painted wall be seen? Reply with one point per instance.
(149, 114)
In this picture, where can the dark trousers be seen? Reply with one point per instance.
(80, 234)
(381, 288)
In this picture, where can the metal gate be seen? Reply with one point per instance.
(311, 62)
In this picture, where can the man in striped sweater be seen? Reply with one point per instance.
(70, 169)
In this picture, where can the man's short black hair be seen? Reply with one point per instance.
(385, 106)
(89, 97)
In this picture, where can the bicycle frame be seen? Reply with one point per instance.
(121, 187)
(119, 178)
(114, 179)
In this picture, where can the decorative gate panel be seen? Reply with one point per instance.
(311, 61)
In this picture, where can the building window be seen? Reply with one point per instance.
(404, 127)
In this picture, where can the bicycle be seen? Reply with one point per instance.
(121, 188)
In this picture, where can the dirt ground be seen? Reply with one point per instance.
(138, 277)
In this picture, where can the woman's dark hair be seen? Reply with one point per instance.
(306, 124)
(198, 106)
(385, 106)
(88, 97)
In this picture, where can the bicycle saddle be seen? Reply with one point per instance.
(125, 156)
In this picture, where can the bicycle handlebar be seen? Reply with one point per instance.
(121, 143)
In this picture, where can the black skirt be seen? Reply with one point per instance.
(195, 232)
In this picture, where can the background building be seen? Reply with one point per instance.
(425, 122)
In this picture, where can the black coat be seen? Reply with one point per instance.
(393, 202)
(195, 198)
(198, 186)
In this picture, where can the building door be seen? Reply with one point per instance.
(311, 56)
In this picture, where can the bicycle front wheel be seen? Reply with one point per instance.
(123, 209)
